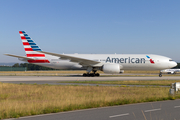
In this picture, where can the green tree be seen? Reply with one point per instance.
(30, 66)
(16, 65)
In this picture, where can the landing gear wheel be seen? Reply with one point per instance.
(85, 75)
(91, 74)
(160, 75)
(97, 74)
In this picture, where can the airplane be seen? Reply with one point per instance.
(170, 71)
(108, 63)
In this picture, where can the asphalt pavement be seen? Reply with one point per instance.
(78, 78)
(162, 110)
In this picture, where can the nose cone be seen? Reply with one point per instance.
(172, 64)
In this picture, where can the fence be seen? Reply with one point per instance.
(9, 68)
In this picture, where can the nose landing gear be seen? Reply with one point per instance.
(160, 74)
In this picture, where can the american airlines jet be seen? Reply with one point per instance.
(108, 63)
(170, 71)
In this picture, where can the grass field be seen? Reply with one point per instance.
(128, 82)
(68, 72)
(18, 100)
(38, 73)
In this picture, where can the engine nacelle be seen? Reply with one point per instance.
(171, 72)
(111, 68)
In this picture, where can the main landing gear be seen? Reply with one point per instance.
(88, 74)
(160, 74)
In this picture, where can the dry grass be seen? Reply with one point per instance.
(22, 100)
(128, 82)
(73, 71)
(50, 71)
(68, 72)
(141, 71)
(38, 73)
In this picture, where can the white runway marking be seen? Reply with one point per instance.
(152, 110)
(119, 115)
(176, 106)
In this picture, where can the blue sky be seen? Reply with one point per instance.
(94, 26)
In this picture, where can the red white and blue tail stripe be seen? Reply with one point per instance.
(31, 49)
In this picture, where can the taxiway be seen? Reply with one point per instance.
(75, 78)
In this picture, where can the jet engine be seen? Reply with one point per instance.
(111, 68)
(172, 72)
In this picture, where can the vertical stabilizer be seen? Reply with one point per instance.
(31, 49)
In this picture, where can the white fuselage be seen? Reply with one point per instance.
(126, 61)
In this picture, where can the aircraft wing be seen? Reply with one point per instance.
(81, 61)
(19, 57)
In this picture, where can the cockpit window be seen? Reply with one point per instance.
(171, 60)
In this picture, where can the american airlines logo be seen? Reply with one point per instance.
(151, 61)
(125, 60)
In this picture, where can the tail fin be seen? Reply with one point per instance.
(31, 49)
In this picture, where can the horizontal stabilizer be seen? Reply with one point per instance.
(19, 57)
